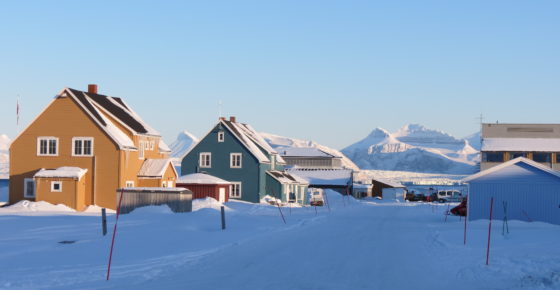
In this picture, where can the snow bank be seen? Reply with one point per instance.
(26, 206)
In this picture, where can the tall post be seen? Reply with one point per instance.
(489, 230)
(223, 212)
(465, 230)
(104, 221)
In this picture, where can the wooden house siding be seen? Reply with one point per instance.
(248, 175)
(64, 119)
(108, 169)
(201, 191)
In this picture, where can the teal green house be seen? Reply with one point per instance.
(237, 153)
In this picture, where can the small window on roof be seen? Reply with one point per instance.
(221, 136)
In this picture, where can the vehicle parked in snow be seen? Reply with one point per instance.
(316, 198)
(449, 196)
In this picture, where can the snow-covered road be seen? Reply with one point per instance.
(357, 245)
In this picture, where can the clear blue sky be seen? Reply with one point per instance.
(329, 71)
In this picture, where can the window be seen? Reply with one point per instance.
(205, 160)
(492, 157)
(235, 190)
(513, 155)
(169, 183)
(141, 152)
(82, 146)
(235, 160)
(541, 157)
(129, 184)
(28, 188)
(56, 186)
(164, 184)
(47, 146)
(221, 136)
(557, 157)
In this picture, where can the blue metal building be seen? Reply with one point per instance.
(530, 189)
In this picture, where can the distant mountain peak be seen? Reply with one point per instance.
(413, 147)
(184, 142)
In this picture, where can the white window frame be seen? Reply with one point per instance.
(170, 183)
(232, 157)
(142, 145)
(25, 181)
(238, 184)
(48, 139)
(53, 183)
(129, 184)
(200, 159)
(82, 139)
(221, 136)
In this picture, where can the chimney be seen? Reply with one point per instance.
(91, 88)
(232, 119)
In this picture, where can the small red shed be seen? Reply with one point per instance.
(204, 185)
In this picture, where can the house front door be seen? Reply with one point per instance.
(222, 195)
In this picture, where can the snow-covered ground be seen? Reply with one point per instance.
(356, 245)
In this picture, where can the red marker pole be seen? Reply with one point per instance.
(114, 234)
(489, 231)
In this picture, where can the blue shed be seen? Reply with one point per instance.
(531, 190)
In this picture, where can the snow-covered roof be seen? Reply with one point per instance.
(98, 106)
(200, 178)
(323, 176)
(389, 182)
(62, 172)
(153, 189)
(252, 140)
(303, 152)
(163, 147)
(154, 168)
(521, 144)
(285, 177)
(362, 186)
(509, 163)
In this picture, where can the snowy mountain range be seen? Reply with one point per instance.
(184, 142)
(4, 156)
(280, 142)
(415, 148)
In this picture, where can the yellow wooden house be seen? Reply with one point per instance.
(82, 148)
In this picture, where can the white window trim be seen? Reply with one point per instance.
(231, 156)
(221, 137)
(240, 190)
(59, 186)
(81, 139)
(141, 153)
(169, 183)
(47, 139)
(209, 160)
(129, 182)
(25, 180)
